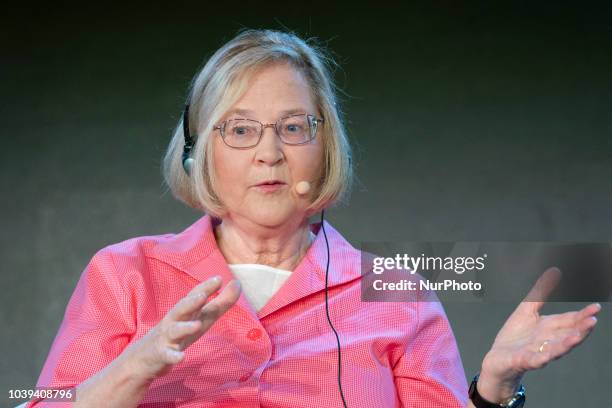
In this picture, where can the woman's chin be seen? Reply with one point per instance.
(273, 215)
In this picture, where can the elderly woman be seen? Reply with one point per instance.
(252, 305)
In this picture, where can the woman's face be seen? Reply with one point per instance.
(272, 91)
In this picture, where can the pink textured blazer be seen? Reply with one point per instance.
(394, 354)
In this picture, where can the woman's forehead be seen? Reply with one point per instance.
(283, 82)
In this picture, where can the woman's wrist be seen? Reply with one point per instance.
(135, 365)
(495, 391)
(117, 385)
(497, 388)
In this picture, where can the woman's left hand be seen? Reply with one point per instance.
(529, 340)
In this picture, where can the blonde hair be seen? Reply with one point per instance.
(221, 83)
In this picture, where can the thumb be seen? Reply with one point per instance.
(541, 290)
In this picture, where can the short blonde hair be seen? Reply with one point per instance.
(221, 83)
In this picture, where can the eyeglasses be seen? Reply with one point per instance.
(246, 133)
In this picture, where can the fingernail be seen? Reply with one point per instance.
(594, 319)
(216, 279)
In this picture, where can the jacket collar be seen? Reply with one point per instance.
(195, 252)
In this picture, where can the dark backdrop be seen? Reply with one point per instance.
(471, 121)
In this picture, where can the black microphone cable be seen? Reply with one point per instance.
(327, 312)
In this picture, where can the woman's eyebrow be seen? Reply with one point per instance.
(292, 111)
(244, 112)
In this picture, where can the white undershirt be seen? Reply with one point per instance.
(259, 282)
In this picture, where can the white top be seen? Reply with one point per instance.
(259, 282)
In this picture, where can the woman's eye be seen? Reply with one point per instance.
(241, 131)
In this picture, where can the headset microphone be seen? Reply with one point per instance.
(302, 187)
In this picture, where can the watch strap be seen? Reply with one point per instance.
(516, 401)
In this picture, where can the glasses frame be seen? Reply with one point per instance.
(312, 120)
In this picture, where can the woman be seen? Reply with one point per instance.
(160, 320)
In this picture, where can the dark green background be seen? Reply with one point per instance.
(470, 120)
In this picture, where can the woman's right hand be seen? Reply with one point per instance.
(154, 354)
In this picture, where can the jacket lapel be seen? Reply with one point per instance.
(195, 252)
(309, 276)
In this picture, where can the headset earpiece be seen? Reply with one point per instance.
(189, 143)
(188, 165)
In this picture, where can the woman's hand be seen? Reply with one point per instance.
(124, 382)
(162, 347)
(529, 341)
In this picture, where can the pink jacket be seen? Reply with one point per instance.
(394, 354)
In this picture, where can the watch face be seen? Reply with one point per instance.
(517, 403)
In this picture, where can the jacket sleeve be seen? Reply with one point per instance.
(430, 374)
(98, 324)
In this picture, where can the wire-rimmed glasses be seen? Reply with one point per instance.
(242, 133)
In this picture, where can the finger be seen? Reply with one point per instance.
(588, 313)
(579, 332)
(539, 355)
(205, 286)
(542, 289)
(221, 304)
(179, 330)
(570, 319)
(578, 336)
(585, 318)
(172, 356)
(194, 300)
(586, 324)
(561, 343)
(550, 336)
(590, 310)
(561, 321)
(557, 344)
(567, 341)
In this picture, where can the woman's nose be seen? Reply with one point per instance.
(270, 147)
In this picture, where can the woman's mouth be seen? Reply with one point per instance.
(270, 186)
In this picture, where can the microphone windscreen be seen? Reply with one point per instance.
(302, 187)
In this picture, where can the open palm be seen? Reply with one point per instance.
(529, 340)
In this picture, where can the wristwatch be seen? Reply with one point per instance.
(516, 401)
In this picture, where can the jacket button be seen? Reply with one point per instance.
(245, 377)
(254, 334)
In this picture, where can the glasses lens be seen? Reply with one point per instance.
(295, 129)
(242, 132)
